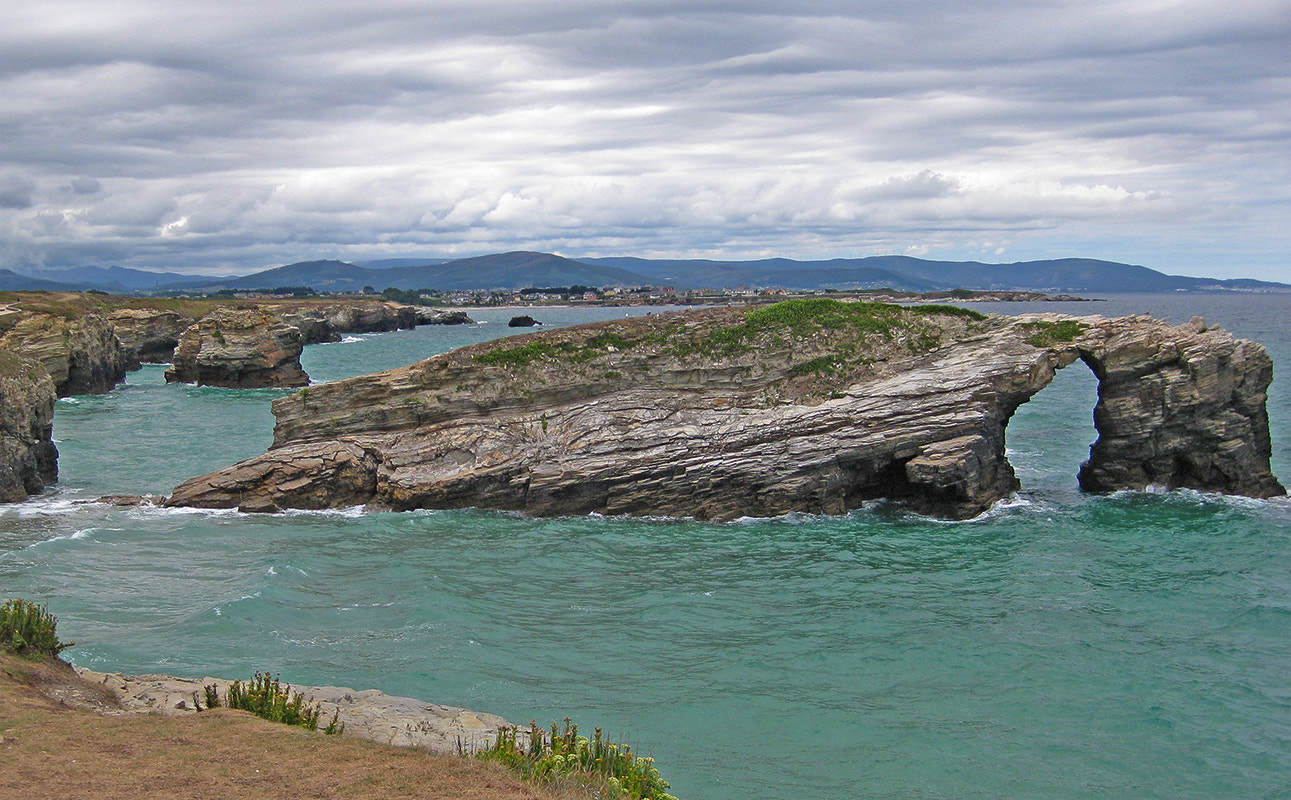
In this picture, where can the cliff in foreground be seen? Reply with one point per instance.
(808, 405)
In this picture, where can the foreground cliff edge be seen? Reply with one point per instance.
(808, 405)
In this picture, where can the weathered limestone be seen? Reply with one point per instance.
(239, 349)
(327, 321)
(149, 335)
(28, 458)
(82, 355)
(718, 414)
(441, 316)
(371, 714)
(1179, 407)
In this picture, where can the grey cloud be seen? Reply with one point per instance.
(16, 191)
(84, 185)
(828, 128)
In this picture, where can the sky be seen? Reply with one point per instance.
(222, 137)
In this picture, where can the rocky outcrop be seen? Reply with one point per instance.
(1178, 407)
(814, 406)
(149, 335)
(369, 714)
(82, 355)
(441, 316)
(326, 322)
(239, 349)
(28, 458)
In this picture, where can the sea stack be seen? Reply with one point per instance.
(239, 349)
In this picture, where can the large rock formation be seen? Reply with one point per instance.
(83, 355)
(28, 458)
(812, 406)
(149, 335)
(441, 316)
(239, 349)
(326, 322)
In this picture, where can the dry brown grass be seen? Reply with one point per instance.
(52, 751)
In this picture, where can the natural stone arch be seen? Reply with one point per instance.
(686, 435)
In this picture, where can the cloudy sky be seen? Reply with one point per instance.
(222, 136)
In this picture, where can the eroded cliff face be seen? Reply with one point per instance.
(812, 406)
(82, 355)
(239, 349)
(28, 458)
(149, 335)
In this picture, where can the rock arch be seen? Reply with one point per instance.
(719, 437)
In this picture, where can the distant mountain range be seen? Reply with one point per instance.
(518, 270)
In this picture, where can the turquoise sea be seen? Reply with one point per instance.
(1061, 646)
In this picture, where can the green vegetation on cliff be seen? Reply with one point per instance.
(547, 758)
(799, 319)
(847, 324)
(28, 630)
(1047, 334)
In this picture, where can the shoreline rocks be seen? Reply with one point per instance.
(370, 714)
(715, 415)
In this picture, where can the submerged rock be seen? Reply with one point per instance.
(814, 406)
(239, 349)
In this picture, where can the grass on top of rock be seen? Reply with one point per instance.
(803, 317)
(1045, 333)
(792, 320)
(28, 630)
(549, 759)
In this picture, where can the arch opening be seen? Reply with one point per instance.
(1050, 436)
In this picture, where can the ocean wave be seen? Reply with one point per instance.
(83, 533)
(349, 512)
(46, 505)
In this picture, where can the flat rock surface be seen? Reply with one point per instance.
(370, 714)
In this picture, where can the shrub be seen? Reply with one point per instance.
(265, 697)
(27, 629)
(545, 757)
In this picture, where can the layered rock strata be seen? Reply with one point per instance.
(239, 349)
(327, 322)
(28, 458)
(149, 335)
(441, 316)
(813, 406)
(83, 355)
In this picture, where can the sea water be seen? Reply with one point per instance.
(1135, 645)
